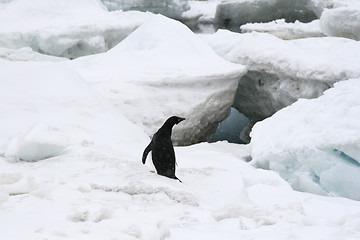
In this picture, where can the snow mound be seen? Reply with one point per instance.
(280, 72)
(56, 110)
(284, 30)
(163, 69)
(232, 14)
(315, 144)
(341, 22)
(169, 8)
(65, 28)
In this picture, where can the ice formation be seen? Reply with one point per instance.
(284, 30)
(341, 22)
(27, 54)
(315, 144)
(82, 27)
(56, 111)
(232, 14)
(231, 128)
(163, 69)
(169, 8)
(201, 15)
(280, 72)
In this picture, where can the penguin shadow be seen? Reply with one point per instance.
(162, 149)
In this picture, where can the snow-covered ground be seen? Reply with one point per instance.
(94, 196)
(72, 132)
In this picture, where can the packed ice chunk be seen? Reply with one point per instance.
(284, 30)
(314, 144)
(232, 14)
(201, 15)
(65, 28)
(38, 143)
(280, 72)
(341, 22)
(164, 69)
(27, 54)
(169, 8)
(49, 110)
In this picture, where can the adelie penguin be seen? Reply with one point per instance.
(162, 150)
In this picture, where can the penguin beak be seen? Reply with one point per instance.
(180, 120)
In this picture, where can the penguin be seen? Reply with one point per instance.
(162, 150)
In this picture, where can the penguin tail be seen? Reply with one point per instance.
(178, 179)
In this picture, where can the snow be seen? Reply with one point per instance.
(95, 196)
(27, 54)
(169, 8)
(173, 72)
(72, 132)
(44, 117)
(317, 146)
(282, 71)
(65, 28)
(341, 22)
(201, 15)
(284, 30)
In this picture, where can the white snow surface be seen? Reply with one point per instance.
(65, 28)
(205, 10)
(321, 59)
(284, 30)
(341, 22)
(94, 196)
(49, 110)
(163, 69)
(315, 144)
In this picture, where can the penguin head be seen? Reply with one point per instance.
(175, 120)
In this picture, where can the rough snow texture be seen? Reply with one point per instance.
(48, 110)
(232, 14)
(315, 144)
(284, 30)
(80, 28)
(173, 72)
(169, 8)
(341, 22)
(80, 197)
(280, 72)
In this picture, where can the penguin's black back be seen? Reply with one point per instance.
(162, 150)
(163, 154)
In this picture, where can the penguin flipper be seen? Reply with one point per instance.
(146, 152)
